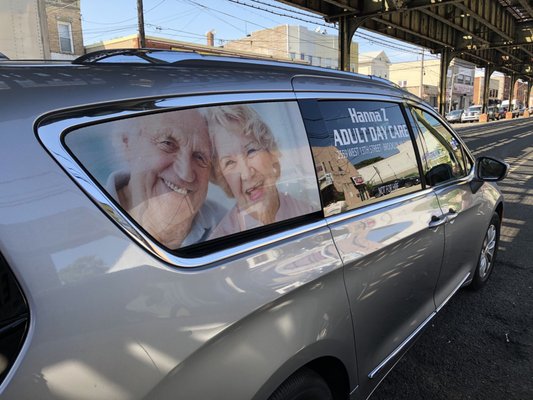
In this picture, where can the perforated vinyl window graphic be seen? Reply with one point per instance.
(365, 155)
(192, 175)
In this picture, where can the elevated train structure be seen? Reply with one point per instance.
(496, 35)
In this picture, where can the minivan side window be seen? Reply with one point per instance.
(363, 152)
(192, 175)
(441, 153)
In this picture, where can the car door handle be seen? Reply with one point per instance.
(437, 221)
(452, 214)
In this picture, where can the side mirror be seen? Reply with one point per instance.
(491, 170)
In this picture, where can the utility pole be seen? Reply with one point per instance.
(140, 20)
(421, 88)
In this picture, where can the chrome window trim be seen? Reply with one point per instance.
(349, 96)
(446, 126)
(51, 135)
(365, 209)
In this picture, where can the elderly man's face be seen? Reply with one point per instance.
(170, 166)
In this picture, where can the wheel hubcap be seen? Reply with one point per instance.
(487, 252)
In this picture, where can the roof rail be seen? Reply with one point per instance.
(133, 56)
(384, 80)
(173, 57)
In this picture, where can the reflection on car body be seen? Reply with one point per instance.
(471, 114)
(454, 116)
(221, 225)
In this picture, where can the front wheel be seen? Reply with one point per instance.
(487, 255)
(305, 384)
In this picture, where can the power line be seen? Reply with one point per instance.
(240, 19)
(357, 34)
(126, 20)
(287, 9)
(364, 36)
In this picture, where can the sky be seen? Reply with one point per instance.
(190, 20)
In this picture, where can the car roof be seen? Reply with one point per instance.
(122, 74)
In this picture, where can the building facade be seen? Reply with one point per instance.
(296, 43)
(422, 79)
(63, 21)
(41, 29)
(374, 63)
(495, 95)
(153, 42)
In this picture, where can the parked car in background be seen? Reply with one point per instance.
(502, 111)
(471, 114)
(454, 116)
(493, 113)
(179, 226)
(515, 107)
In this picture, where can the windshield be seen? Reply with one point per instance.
(474, 108)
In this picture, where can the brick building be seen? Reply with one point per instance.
(296, 43)
(133, 42)
(495, 92)
(337, 177)
(63, 19)
(41, 29)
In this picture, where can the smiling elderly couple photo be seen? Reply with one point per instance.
(170, 158)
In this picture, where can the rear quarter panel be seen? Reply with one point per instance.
(109, 320)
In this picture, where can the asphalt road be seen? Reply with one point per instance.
(480, 346)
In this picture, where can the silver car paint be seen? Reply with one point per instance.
(116, 307)
(465, 214)
(392, 260)
(139, 327)
(140, 313)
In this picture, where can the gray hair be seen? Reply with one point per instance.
(251, 125)
(130, 127)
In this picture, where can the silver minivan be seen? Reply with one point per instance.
(179, 226)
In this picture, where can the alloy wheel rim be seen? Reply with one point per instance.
(487, 252)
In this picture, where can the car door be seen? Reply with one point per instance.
(446, 168)
(386, 227)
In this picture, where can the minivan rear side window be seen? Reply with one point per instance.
(442, 156)
(363, 152)
(191, 175)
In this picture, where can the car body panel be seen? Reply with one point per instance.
(465, 210)
(113, 316)
(385, 306)
(125, 304)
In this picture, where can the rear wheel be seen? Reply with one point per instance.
(487, 255)
(305, 384)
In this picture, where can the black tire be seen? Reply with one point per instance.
(487, 254)
(305, 384)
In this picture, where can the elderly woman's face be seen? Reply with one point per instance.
(169, 172)
(249, 169)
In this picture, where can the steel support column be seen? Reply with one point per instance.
(528, 93)
(509, 114)
(445, 60)
(489, 69)
(511, 91)
(347, 27)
